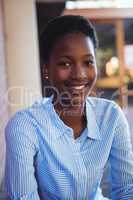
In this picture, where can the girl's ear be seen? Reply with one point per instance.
(45, 71)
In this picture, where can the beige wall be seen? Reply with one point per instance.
(18, 19)
(3, 104)
(22, 53)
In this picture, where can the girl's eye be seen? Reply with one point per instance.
(89, 63)
(64, 65)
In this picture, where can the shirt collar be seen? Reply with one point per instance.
(92, 125)
(59, 125)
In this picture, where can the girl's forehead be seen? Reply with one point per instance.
(73, 35)
(72, 38)
(73, 42)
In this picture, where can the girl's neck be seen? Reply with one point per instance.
(74, 118)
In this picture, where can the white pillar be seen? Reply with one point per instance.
(3, 103)
(23, 70)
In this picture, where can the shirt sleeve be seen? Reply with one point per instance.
(20, 181)
(121, 159)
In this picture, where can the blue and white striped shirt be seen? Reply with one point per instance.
(44, 161)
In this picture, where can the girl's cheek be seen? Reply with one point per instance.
(63, 74)
(92, 74)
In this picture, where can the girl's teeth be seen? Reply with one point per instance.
(78, 87)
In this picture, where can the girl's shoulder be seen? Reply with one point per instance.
(26, 120)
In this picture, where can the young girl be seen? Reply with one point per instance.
(58, 148)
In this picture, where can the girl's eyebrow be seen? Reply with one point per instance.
(66, 56)
(70, 56)
(89, 55)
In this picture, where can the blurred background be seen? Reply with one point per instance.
(21, 83)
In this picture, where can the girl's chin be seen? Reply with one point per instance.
(71, 108)
(73, 103)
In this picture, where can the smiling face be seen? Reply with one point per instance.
(72, 69)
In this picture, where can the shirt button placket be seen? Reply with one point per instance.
(81, 174)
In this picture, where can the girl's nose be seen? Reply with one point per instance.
(77, 71)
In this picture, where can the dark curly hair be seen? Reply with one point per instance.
(59, 27)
